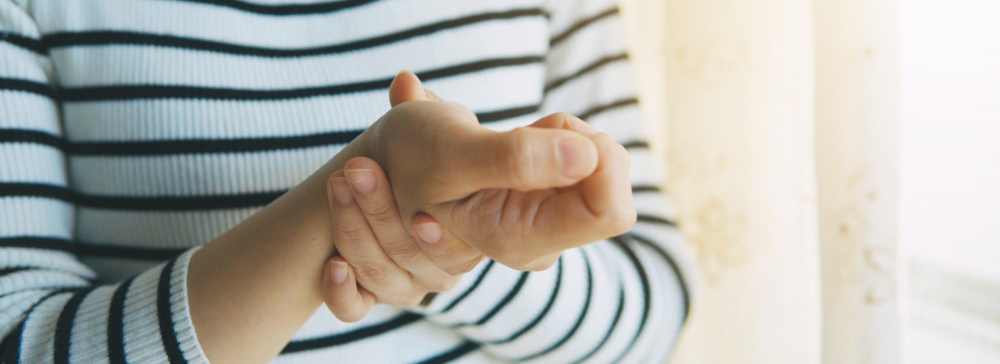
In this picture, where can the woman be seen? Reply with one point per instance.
(134, 132)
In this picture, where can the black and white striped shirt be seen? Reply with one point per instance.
(134, 131)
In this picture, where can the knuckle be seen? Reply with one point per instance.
(464, 267)
(453, 271)
(351, 232)
(382, 213)
(466, 112)
(519, 163)
(409, 299)
(443, 284)
(445, 250)
(562, 117)
(472, 263)
(621, 156)
(519, 262)
(604, 138)
(371, 271)
(621, 219)
(406, 249)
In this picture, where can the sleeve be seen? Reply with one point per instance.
(620, 300)
(51, 311)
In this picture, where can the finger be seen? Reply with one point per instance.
(432, 96)
(341, 293)
(599, 207)
(524, 158)
(356, 242)
(373, 194)
(566, 121)
(406, 87)
(446, 250)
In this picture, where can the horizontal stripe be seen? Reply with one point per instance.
(637, 144)
(42, 270)
(101, 38)
(87, 249)
(581, 24)
(606, 107)
(494, 116)
(685, 290)
(37, 242)
(200, 146)
(472, 288)
(645, 188)
(170, 147)
(12, 270)
(611, 329)
(31, 136)
(178, 203)
(140, 203)
(359, 334)
(92, 250)
(579, 321)
(28, 43)
(136, 92)
(286, 9)
(36, 190)
(191, 202)
(622, 242)
(586, 69)
(506, 300)
(14, 84)
(541, 315)
(192, 146)
(656, 220)
(451, 355)
(500, 305)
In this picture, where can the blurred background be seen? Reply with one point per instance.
(836, 167)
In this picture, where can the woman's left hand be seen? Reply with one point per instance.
(378, 260)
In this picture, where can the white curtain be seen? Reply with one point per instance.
(781, 142)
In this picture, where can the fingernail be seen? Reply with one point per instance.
(341, 191)
(362, 180)
(338, 272)
(574, 153)
(429, 232)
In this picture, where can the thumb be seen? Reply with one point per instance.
(407, 87)
(526, 158)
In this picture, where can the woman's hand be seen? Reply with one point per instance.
(519, 197)
(379, 261)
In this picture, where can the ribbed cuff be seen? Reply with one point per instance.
(180, 313)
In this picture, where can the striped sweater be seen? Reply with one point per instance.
(134, 131)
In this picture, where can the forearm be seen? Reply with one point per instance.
(253, 287)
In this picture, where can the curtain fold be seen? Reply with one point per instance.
(857, 154)
(781, 144)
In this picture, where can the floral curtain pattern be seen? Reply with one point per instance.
(782, 152)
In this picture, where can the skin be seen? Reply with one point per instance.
(498, 194)
(396, 268)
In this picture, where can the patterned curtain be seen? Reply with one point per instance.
(782, 148)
